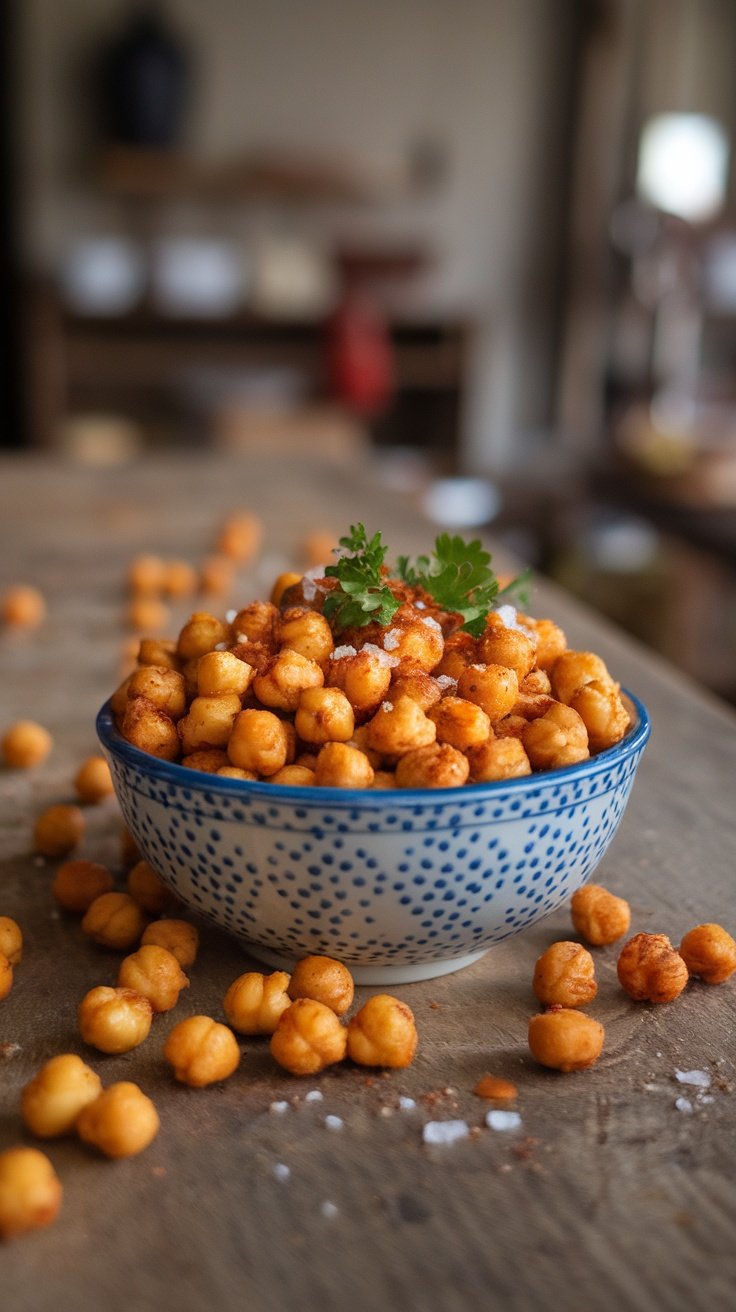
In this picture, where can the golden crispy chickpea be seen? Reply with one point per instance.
(324, 715)
(151, 730)
(234, 772)
(155, 973)
(285, 678)
(201, 1051)
(308, 1037)
(258, 742)
(6, 976)
(257, 623)
(180, 578)
(148, 888)
(114, 1020)
(78, 882)
(208, 722)
(460, 723)
(500, 645)
(385, 779)
(651, 970)
(498, 758)
(30, 1191)
(383, 1033)
(598, 915)
(565, 1040)
(399, 727)
(121, 1122)
(158, 651)
(438, 765)
(147, 614)
(26, 744)
(494, 688)
(201, 633)
(209, 760)
(511, 726)
(536, 684)
(324, 980)
(22, 607)
(572, 670)
(418, 642)
(341, 766)
(565, 976)
(240, 537)
(307, 632)
(11, 940)
(216, 575)
(119, 699)
(408, 681)
(222, 672)
(364, 676)
(556, 739)
(288, 579)
(114, 920)
(709, 952)
(461, 650)
(254, 1002)
(165, 688)
(296, 776)
(603, 713)
(51, 1102)
(59, 830)
(179, 937)
(146, 575)
(551, 641)
(93, 780)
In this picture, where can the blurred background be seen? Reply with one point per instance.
(490, 245)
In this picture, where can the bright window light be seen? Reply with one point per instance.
(683, 165)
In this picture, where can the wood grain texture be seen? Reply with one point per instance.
(608, 1197)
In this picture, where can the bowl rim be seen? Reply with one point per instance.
(311, 795)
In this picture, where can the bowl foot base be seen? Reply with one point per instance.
(378, 975)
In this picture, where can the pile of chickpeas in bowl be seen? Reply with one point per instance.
(273, 693)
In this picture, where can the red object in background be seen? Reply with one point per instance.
(360, 356)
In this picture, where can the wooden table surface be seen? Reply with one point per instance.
(608, 1197)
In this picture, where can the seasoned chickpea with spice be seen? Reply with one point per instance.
(201, 633)
(179, 937)
(307, 632)
(164, 688)
(240, 537)
(285, 678)
(324, 715)
(603, 713)
(114, 920)
(254, 1002)
(144, 726)
(223, 672)
(341, 766)
(148, 889)
(437, 766)
(208, 722)
(460, 723)
(364, 676)
(201, 1051)
(259, 742)
(410, 681)
(325, 980)
(158, 651)
(598, 915)
(383, 1033)
(500, 645)
(30, 1191)
(709, 952)
(51, 1102)
(296, 776)
(565, 1040)
(25, 744)
(155, 973)
(556, 739)
(308, 1037)
(399, 727)
(257, 623)
(493, 687)
(78, 883)
(498, 758)
(209, 760)
(651, 970)
(59, 830)
(114, 1020)
(6, 976)
(11, 940)
(147, 614)
(93, 780)
(121, 1122)
(572, 670)
(565, 976)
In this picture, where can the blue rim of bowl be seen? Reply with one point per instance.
(308, 795)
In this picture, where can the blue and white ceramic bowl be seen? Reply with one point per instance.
(401, 885)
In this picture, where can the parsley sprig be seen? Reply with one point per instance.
(459, 578)
(363, 594)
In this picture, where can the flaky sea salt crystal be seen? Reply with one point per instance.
(278, 1108)
(384, 657)
(387, 706)
(334, 1123)
(220, 646)
(445, 1131)
(431, 623)
(341, 653)
(281, 1170)
(507, 616)
(684, 1105)
(391, 639)
(242, 637)
(230, 615)
(499, 1120)
(329, 1210)
(314, 1095)
(701, 1079)
(406, 1104)
(420, 605)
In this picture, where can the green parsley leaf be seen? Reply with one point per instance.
(363, 594)
(460, 579)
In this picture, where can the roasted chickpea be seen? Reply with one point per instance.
(284, 582)
(153, 731)
(556, 739)
(216, 575)
(158, 651)
(709, 951)
(383, 1033)
(30, 1191)
(11, 940)
(364, 676)
(551, 641)
(179, 937)
(308, 1037)
(77, 883)
(156, 974)
(494, 688)
(572, 670)
(418, 642)
(6, 976)
(254, 1002)
(234, 772)
(148, 888)
(93, 780)
(385, 778)
(257, 623)
(461, 650)
(325, 980)
(565, 1040)
(400, 727)
(341, 766)
(500, 645)
(240, 537)
(438, 765)
(26, 744)
(222, 672)
(258, 742)
(650, 970)
(296, 776)
(165, 688)
(201, 1051)
(598, 915)
(51, 1102)
(285, 678)
(324, 715)
(201, 634)
(147, 614)
(121, 1122)
(146, 575)
(22, 607)
(307, 632)
(114, 920)
(603, 713)
(536, 684)
(209, 760)
(565, 976)
(114, 1020)
(406, 681)
(208, 722)
(498, 758)
(59, 830)
(511, 726)
(180, 578)
(460, 723)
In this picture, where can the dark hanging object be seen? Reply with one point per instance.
(145, 83)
